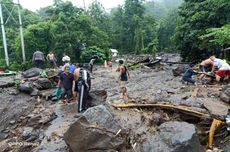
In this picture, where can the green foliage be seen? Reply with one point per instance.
(166, 32)
(160, 9)
(93, 52)
(195, 18)
(43, 74)
(218, 36)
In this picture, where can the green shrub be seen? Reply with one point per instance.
(93, 52)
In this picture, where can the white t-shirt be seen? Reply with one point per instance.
(66, 59)
(221, 64)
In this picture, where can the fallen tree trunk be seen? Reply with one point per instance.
(174, 62)
(146, 60)
(183, 109)
(152, 63)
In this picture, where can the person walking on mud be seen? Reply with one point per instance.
(122, 79)
(66, 82)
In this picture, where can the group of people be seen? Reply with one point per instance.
(75, 86)
(75, 81)
(39, 59)
(212, 66)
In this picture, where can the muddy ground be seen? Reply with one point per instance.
(34, 124)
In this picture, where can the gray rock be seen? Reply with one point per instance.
(26, 88)
(27, 132)
(225, 94)
(33, 72)
(35, 92)
(43, 83)
(174, 137)
(12, 122)
(94, 131)
(179, 70)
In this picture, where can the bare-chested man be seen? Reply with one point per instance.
(51, 59)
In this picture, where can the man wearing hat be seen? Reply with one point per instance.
(66, 81)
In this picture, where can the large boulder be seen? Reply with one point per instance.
(33, 72)
(225, 94)
(25, 88)
(43, 83)
(179, 70)
(174, 136)
(95, 130)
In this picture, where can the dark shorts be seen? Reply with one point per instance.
(190, 80)
(52, 62)
(76, 88)
(67, 93)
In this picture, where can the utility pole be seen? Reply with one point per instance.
(84, 5)
(4, 36)
(21, 33)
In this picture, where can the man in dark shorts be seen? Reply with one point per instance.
(123, 78)
(66, 81)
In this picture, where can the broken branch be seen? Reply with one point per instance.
(183, 109)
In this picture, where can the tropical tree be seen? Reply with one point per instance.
(195, 17)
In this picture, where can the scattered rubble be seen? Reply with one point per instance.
(166, 115)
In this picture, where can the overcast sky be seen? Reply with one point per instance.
(34, 5)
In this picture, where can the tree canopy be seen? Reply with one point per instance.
(191, 27)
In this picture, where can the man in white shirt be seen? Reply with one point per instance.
(223, 68)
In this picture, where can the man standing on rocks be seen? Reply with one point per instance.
(51, 59)
(66, 81)
(123, 78)
(38, 58)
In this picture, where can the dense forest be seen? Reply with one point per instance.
(194, 28)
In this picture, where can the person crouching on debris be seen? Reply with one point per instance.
(84, 86)
(187, 77)
(223, 71)
(66, 81)
(206, 66)
(123, 78)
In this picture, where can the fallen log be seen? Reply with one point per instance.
(152, 63)
(169, 62)
(183, 109)
(147, 59)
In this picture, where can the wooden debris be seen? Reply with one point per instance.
(215, 124)
(152, 63)
(183, 109)
(174, 62)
